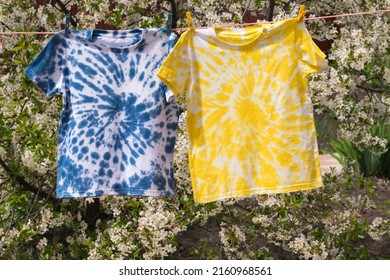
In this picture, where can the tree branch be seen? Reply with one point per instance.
(271, 8)
(5, 25)
(92, 212)
(5, 182)
(26, 185)
(175, 16)
(65, 10)
(374, 89)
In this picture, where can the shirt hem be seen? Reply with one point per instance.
(247, 193)
(112, 193)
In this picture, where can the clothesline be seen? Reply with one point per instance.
(227, 25)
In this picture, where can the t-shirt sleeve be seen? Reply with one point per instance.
(46, 70)
(175, 69)
(311, 57)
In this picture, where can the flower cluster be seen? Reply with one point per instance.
(378, 228)
(354, 87)
(156, 225)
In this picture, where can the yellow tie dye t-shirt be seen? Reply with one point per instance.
(249, 117)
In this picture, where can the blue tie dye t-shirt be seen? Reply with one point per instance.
(118, 125)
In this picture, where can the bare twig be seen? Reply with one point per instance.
(246, 8)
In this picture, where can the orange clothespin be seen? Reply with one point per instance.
(302, 12)
(190, 22)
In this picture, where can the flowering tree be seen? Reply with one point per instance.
(327, 223)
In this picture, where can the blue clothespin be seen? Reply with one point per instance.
(169, 22)
(67, 23)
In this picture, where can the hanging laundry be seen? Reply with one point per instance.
(118, 125)
(250, 119)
